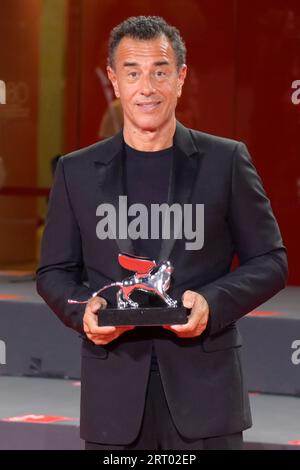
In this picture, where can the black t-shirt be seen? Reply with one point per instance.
(147, 180)
(147, 176)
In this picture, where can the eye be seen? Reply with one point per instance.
(160, 73)
(133, 74)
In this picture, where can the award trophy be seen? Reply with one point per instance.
(148, 277)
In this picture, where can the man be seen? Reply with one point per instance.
(195, 395)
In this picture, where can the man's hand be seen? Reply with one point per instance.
(100, 335)
(198, 318)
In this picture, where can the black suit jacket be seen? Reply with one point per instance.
(202, 377)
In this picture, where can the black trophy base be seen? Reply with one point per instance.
(150, 316)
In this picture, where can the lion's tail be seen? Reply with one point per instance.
(71, 301)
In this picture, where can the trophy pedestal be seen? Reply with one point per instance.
(149, 316)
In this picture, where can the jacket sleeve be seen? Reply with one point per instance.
(59, 275)
(262, 269)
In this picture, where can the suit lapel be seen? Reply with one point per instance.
(182, 179)
(111, 184)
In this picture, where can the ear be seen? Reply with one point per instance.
(113, 79)
(181, 77)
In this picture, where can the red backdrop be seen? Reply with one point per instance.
(242, 60)
(19, 65)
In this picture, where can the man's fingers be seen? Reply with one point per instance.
(96, 304)
(95, 307)
(187, 332)
(90, 319)
(105, 336)
(102, 330)
(188, 298)
(123, 329)
(102, 340)
(198, 318)
(100, 334)
(112, 330)
(193, 319)
(90, 325)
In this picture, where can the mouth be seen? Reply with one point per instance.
(148, 106)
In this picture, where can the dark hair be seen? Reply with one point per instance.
(146, 28)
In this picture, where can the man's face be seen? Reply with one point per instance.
(146, 79)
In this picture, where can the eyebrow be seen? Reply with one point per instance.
(135, 64)
(162, 62)
(130, 64)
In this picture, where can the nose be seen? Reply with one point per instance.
(147, 86)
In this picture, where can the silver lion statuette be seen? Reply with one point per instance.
(148, 277)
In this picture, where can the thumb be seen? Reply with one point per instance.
(96, 304)
(188, 298)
